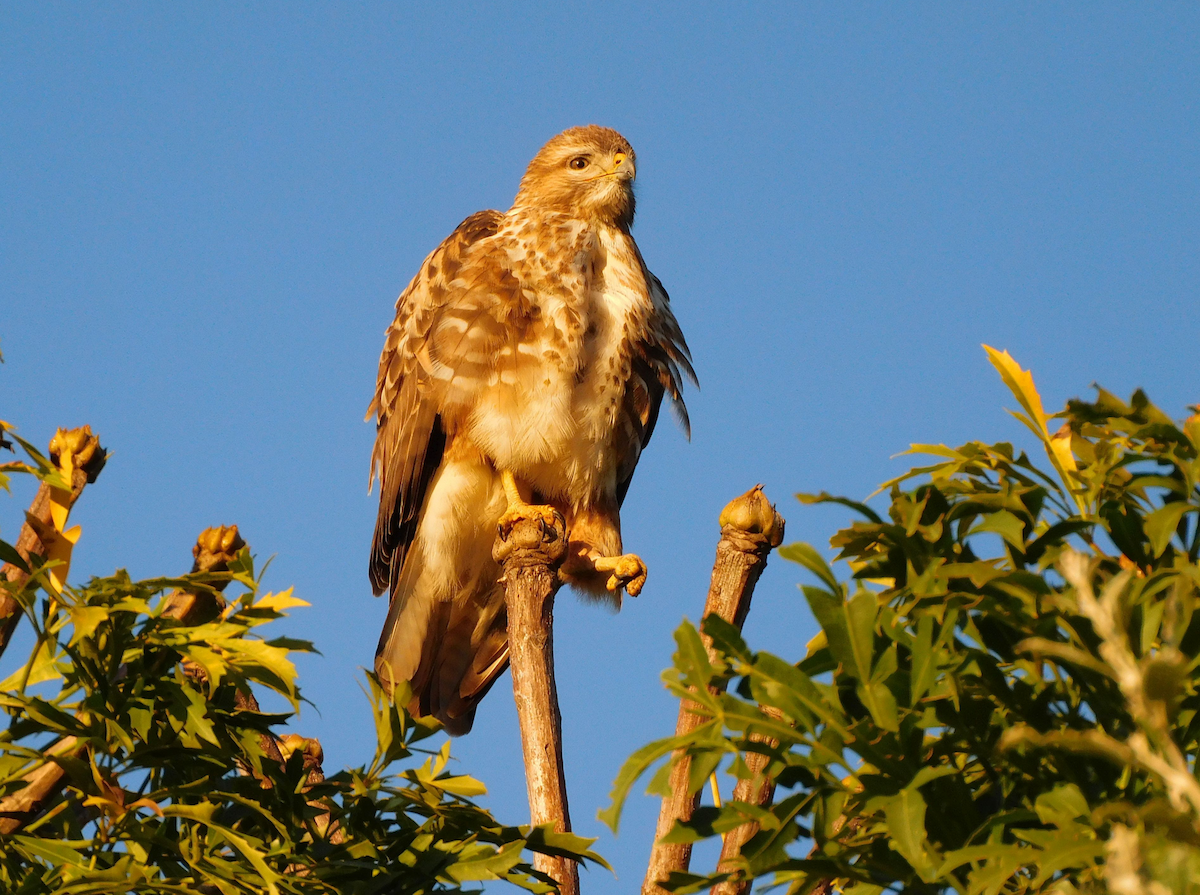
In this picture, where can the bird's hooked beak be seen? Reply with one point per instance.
(622, 167)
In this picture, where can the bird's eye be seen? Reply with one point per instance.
(578, 163)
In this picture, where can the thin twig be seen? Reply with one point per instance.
(1152, 746)
(750, 529)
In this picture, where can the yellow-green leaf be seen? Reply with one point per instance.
(280, 601)
(1005, 524)
(1161, 524)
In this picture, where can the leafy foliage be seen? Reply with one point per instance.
(972, 717)
(170, 785)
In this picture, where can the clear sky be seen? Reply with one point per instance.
(207, 211)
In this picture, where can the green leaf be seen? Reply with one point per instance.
(825, 497)
(1070, 849)
(808, 557)
(725, 637)
(202, 812)
(85, 620)
(255, 856)
(1005, 857)
(691, 657)
(905, 815)
(56, 853)
(634, 767)
(197, 715)
(881, 703)
(546, 841)
(9, 554)
(776, 683)
(262, 662)
(53, 718)
(464, 786)
(1160, 526)
(924, 660)
(1004, 524)
(928, 774)
(42, 666)
(485, 862)
(1062, 805)
(850, 629)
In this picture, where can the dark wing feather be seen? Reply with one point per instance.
(667, 352)
(410, 439)
(643, 400)
(661, 360)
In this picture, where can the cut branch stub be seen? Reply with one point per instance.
(78, 449)
(215, 549)
(530, 557)
(77, 453)
(750, 529)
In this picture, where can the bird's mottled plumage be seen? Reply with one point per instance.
(534, 341)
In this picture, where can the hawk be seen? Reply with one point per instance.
(524, 371)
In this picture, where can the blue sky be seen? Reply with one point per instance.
(208, 210)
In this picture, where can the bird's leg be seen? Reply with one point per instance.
(628, 571)
(595, 562)
(519, 508)
(583, 563)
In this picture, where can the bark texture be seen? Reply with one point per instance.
(750, 529)
(530, 557)
(758, 790)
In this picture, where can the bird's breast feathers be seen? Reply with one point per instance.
(553, 397)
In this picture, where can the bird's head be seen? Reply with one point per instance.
(586, 171)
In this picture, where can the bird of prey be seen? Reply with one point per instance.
(523, 373)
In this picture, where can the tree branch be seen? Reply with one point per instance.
(215, 549)
(78, 454)
(750, 529)
(530, 558)
(759, 790)
(42, 785)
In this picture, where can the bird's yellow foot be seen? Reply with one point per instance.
(549, 517)
(518, 509)
(628, 572)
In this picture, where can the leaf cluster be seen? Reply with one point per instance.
(173, 781)
(971, 717)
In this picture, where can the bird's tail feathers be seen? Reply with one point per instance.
(450, 651)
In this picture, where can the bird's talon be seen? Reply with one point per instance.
(547, 518)
(628, 572)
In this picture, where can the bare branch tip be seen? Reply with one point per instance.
(216, 547)
(72, 449)
(754, 514)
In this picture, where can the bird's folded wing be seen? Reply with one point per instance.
(446, 321)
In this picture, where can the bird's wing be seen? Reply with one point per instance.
(661, 360)
(434, 349)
